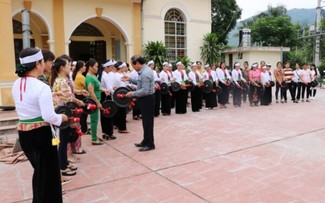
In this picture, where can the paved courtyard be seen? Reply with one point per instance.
(236, 155)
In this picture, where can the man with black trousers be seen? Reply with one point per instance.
(145, 94)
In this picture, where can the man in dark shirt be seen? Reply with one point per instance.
(145, 94)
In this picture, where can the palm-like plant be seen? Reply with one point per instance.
(210, 50)
(186, 61)
(156, 51)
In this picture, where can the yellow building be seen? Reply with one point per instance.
(100, 29)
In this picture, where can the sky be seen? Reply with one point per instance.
(254, 7)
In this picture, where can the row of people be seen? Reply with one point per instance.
(256, 82)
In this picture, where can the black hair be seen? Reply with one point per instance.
(58, 63)
(279, 62)
(90, 63)
(199, 62)
(22, 69)
(101, 69)
(222, 62)
(312, 64)
(137, 59)
(68, 58)
(79, 65)
(48, 55)
(117, 64)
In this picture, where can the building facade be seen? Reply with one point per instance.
(100, 29)
(253, 54)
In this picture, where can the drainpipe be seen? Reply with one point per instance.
(25, 28)
(142, 29)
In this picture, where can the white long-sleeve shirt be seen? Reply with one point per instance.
(193, 76)
(297, 76)
(109, 81)
(165, 76)
(223, 77)
(118, 81)
(207, 77)
(237, 76)
(265, 77)
(102, 81)
(157, 79)
(36, 101)
(178, 76)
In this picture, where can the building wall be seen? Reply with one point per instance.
(53, 22)
(198, 23)
(257, 56)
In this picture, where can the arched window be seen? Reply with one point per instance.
(175, 34)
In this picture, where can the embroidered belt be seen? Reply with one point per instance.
(31, 124)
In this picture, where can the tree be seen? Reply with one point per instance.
(274, 31)
(271, 11)
(210, 50)
(273, 27)
(225, 14)
(156, 51)
(186, 61)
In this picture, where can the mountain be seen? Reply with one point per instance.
(301, 16)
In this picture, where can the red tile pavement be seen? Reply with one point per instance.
(249, 154)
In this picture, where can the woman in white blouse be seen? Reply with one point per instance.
(36, 113)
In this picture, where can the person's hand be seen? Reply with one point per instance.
(133, 87)
(99, 106)
(107, 92)
(129, 94)
(85, 93)
(114, 87)
(125, 78)
(57, 94)
(80, 103)
(64, 118)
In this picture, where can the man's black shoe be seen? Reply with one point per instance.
(144, 149)
(138, 145)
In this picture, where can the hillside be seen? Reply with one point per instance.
(301, 16)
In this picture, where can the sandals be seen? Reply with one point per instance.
(72, 167)
(68, 172)
(80, 152)
(109, 137)
(123, 131)
(65, 180)
(97, 142)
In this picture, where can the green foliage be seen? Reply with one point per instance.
(271, 11)
(157, 52)
(186, 61)
(224, 13)
(274, 31)
(321, 69)
(210, 50)
(273, 27)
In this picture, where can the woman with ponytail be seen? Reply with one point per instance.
(92, 85)
(60, 83)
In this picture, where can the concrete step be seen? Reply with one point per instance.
(6, 121)
(8, 129)
(9, 137)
